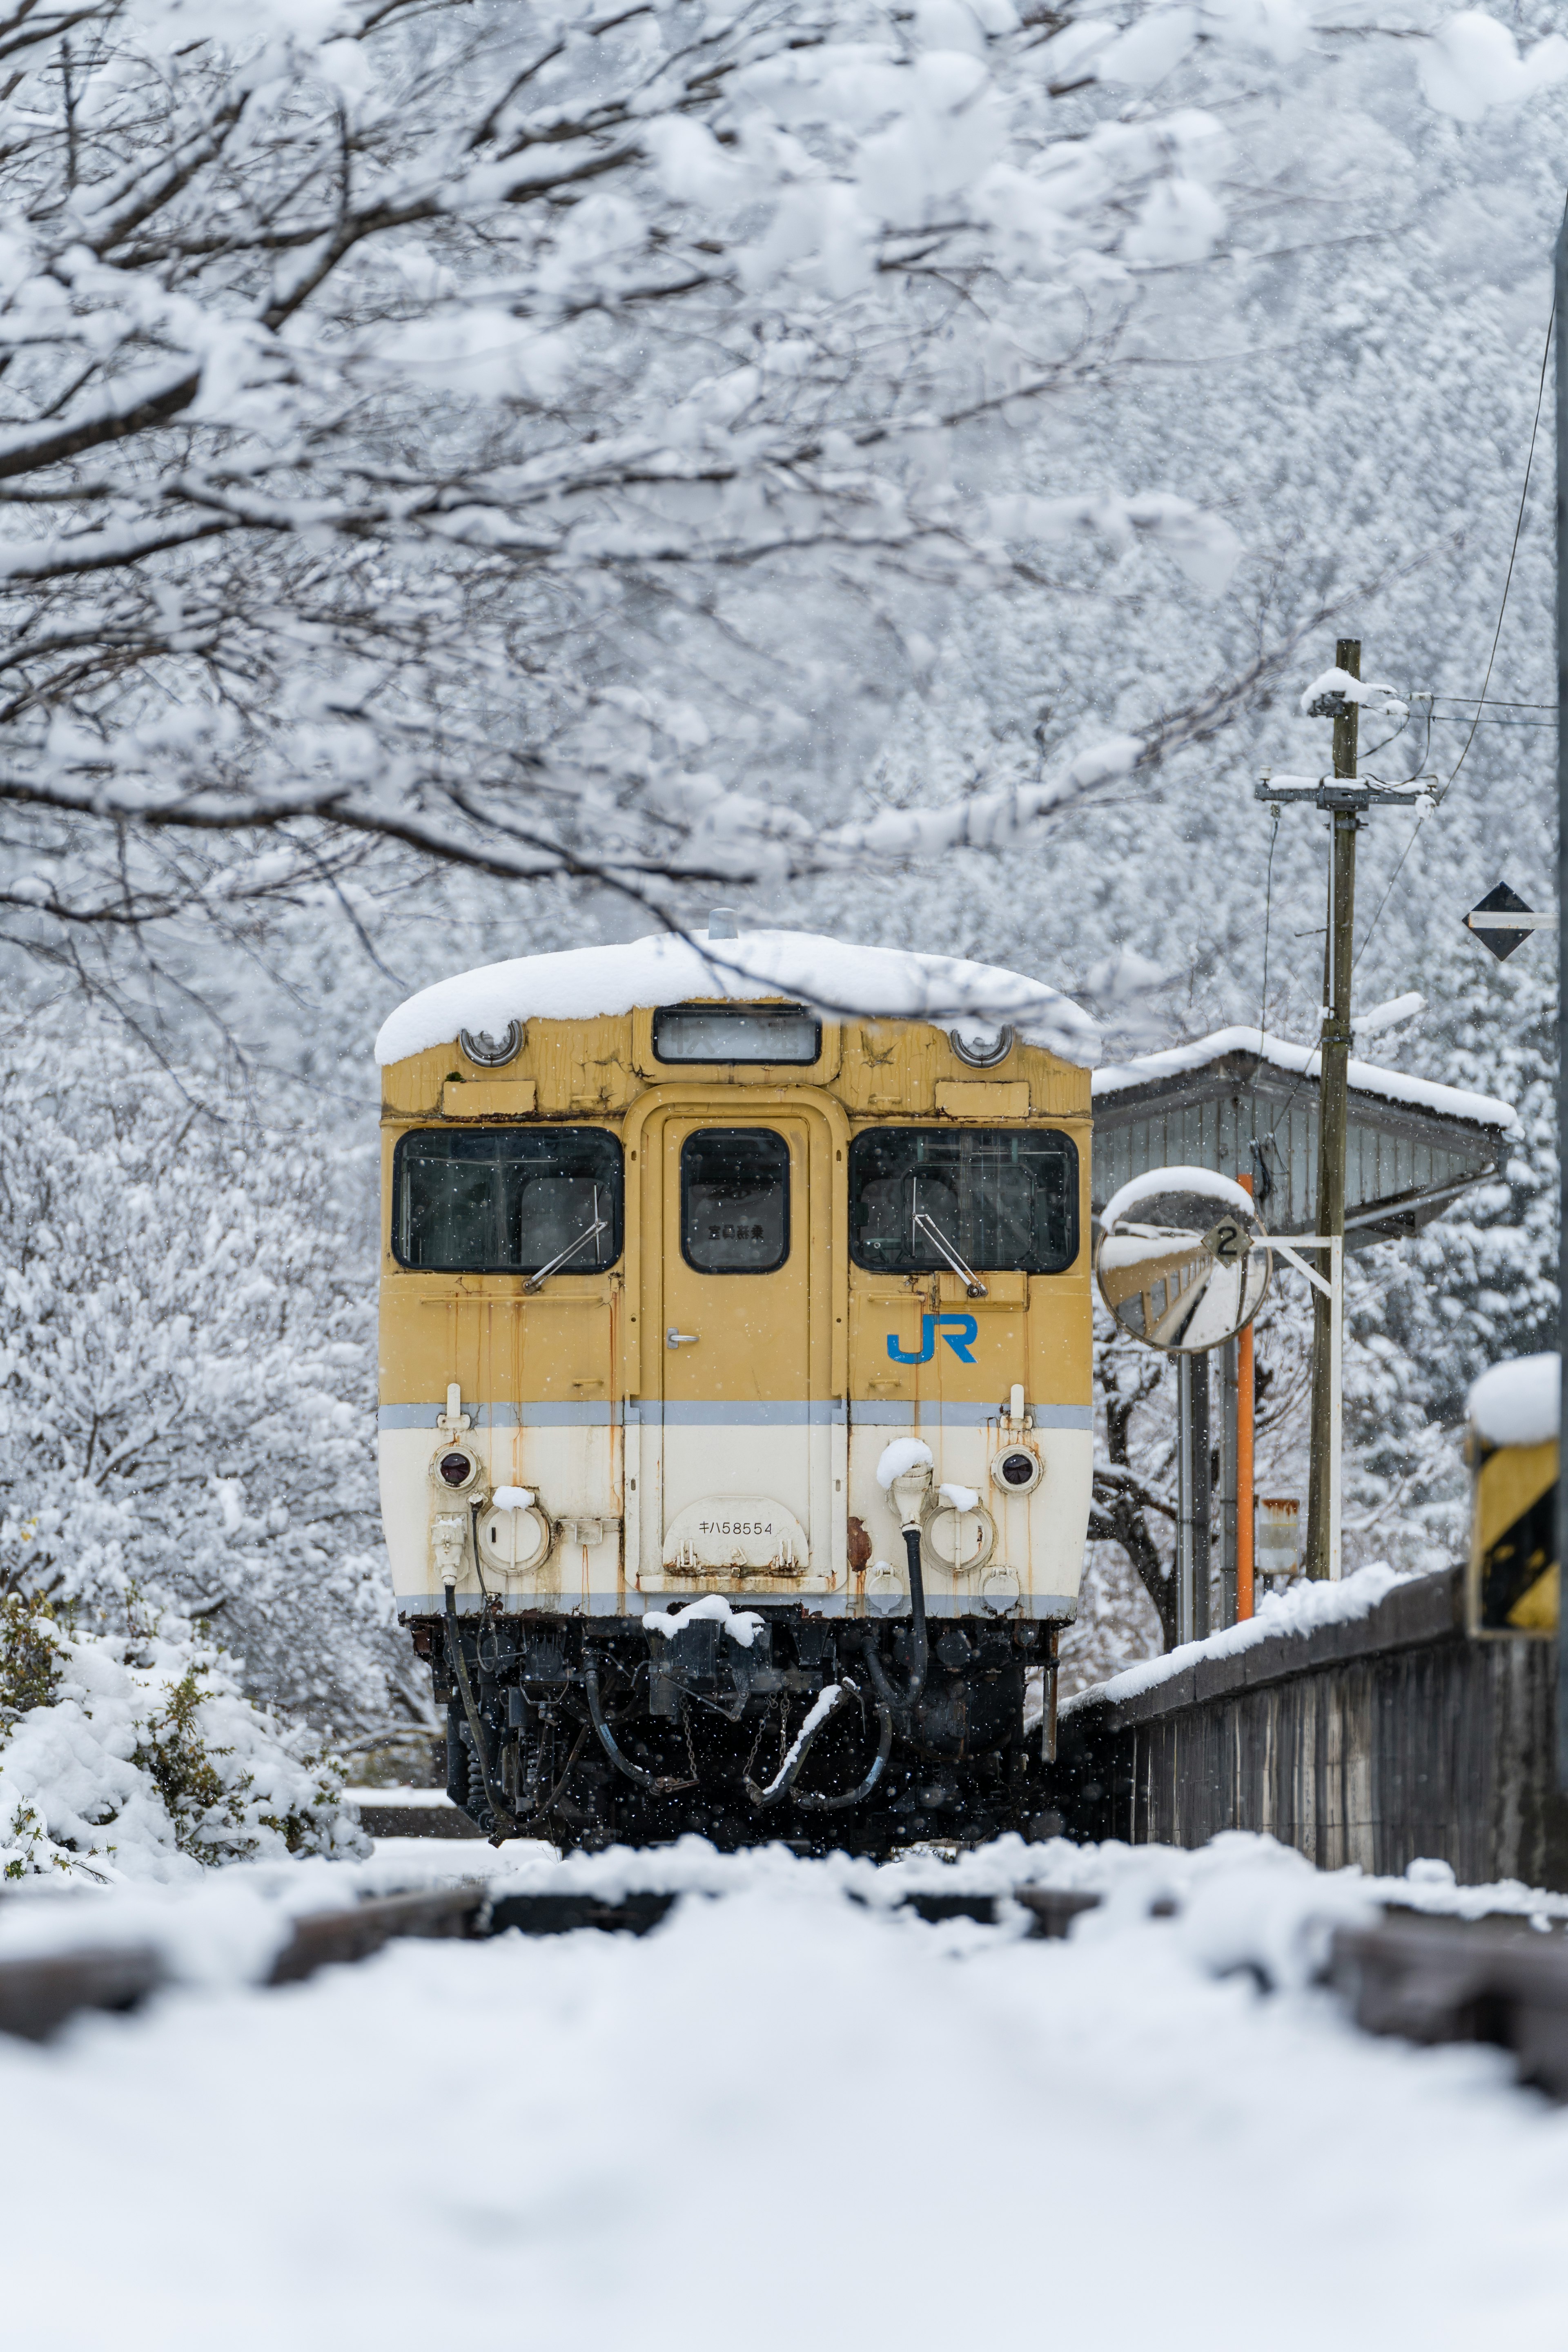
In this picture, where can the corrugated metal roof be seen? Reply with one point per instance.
(1241, 1113)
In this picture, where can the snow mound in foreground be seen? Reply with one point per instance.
(136, 1756)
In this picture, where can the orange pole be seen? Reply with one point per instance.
(1243, 1499)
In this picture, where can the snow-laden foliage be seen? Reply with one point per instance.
(790, 445)
(499, 431)
(136, 1756)
(186, 1368)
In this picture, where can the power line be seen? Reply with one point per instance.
(1481, 702)
(1508, 578)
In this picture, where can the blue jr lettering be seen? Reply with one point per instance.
(964, 1329)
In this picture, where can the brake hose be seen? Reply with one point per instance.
(505, 1821)
(783, 1784)
(879, 1766)
(836, 1696)
(904, 1702)
(657, 1787)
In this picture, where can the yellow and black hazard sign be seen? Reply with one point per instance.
(1514, 1574)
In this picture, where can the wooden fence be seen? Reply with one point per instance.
(1371, 1742)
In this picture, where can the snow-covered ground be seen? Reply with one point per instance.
(785, 2118)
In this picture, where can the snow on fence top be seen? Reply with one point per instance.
(1303, 1610)
(831, 976)
(1303, 1061)
(1518, 1404)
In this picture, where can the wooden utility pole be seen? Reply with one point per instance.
(1331, 1091)
(1246, 1503)
(1561, 549)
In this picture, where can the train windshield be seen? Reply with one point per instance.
(1001, 1199)
(508, 1199)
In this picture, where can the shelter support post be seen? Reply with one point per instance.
(1329, 1297)
(1229, 1353)
(1246, 1504)
(1193, 1497)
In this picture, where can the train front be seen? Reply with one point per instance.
(735, 1421)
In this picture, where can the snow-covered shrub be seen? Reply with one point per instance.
(187, 1369)
(137, 1756)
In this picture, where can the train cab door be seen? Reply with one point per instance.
(737, 1295)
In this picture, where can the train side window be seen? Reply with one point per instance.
(734, 1200)
(1004, 1199)
(507, 1199)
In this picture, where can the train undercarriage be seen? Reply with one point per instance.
(743, 1725)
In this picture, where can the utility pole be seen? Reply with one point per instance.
(1195, 1496)
(1561, 536)
(1332, 1104)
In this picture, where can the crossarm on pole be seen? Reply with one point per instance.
(1287, 1245)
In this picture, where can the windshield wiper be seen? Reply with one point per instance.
(944, 1249)
(599, 1225)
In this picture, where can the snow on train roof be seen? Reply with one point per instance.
(1301, 1061)
(833, 977)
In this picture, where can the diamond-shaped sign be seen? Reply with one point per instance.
(1503, 901)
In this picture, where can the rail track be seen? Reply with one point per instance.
(1431, 1979)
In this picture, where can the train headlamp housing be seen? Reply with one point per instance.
(455, 1469)
(1018, 1470)
(981, 1044)
(490, 1053)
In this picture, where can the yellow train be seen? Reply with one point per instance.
(735, 1424)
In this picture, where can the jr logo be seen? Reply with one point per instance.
(964, 1329)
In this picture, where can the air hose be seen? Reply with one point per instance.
(504, 1821)
(782, 1785)
(836, 1696)
(879, 1766)
(904, 1702)
(655, 1787)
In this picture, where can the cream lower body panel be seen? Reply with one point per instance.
(573, 1465)
(612, 1490)
(1036, 1566)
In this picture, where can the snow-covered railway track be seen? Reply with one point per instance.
(40, 1993)
(1492, 1981)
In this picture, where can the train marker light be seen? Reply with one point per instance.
(1017, 1473)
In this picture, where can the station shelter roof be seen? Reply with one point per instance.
(1244, 1103)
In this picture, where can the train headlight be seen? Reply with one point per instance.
(1017, 1472)
(981, 1044)
(492, 1053)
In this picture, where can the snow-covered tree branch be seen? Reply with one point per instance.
(417, 420)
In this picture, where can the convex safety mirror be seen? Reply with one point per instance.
(1183, 1262)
